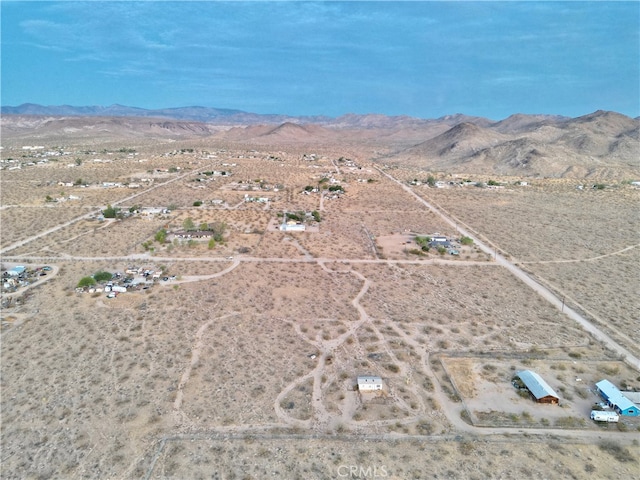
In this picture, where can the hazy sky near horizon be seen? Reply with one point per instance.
(424, 59)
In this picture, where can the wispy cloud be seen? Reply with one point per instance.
(350, 55)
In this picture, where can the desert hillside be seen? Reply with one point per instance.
(601, 145)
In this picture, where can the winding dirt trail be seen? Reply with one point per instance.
(579, 260)
(180, 416)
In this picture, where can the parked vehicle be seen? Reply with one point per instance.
(609, 417)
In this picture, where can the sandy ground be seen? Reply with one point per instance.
(244, 365)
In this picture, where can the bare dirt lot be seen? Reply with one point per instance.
(579, 243)
(241, 359)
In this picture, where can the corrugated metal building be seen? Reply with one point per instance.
(614, 397)
(540, 389)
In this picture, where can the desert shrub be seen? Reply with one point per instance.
(616, 451)
(392, 367)
(466, 447)
(609, 370)
(569, 422)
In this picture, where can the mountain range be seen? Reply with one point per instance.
(601, 144)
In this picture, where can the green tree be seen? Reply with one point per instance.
(423, 242)
(86, 282)
(102, 276)
(466, 240)
(204, 226)
(431, 181)
(197, 203)
(218, 229)
(211, 245)
(316, 216)
(188, 224)
(161, 236)
(110, 212)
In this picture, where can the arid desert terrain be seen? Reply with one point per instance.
(255, 272)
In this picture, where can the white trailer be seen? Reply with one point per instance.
(610, 417)
(119, 289)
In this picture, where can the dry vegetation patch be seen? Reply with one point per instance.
(546, 222)
(468, 457)
(465, 308)
(605, 287)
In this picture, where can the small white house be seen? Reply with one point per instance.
(369, 383)
(292, 227)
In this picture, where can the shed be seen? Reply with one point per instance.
(369, 382)
(615, 398)
(540, 389)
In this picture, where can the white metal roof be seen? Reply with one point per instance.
(614, 395)
(536, 385)
(369, 379)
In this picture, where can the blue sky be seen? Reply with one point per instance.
(424, 59)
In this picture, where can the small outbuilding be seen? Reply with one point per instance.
(539, 389)
(614, 397)
(369, 383)
(16, 271)
(292, 227)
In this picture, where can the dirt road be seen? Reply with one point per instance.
(520, 274)
(90, 214)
